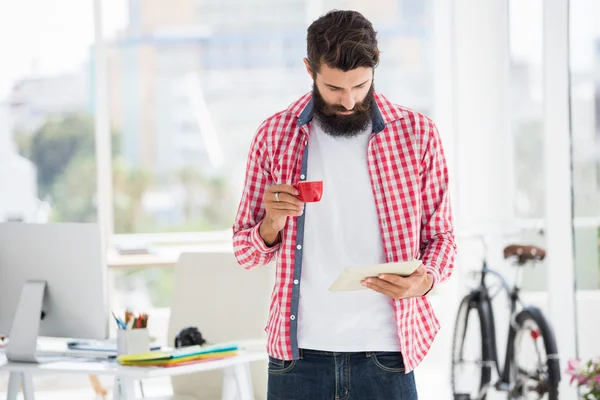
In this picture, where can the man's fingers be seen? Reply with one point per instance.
(285, 207)
(395, 280)
(371, 285)
(287, 213)
(382, 284)
(405, 282)
(396, 286)
(289, 189)
(284, 198)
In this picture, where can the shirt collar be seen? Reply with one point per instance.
(384, 111)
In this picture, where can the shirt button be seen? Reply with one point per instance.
(299, 247)
(384, 224)
(376, 187)
(302, 176)
(296, 281)
(389, 256)
(292, 317)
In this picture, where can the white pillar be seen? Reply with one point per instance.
(484, 148)
(558, 183)
(447, 296)
(444, 106)
(104, 194)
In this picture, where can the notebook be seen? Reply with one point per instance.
(171, 362)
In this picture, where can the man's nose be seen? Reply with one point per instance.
(348, 101)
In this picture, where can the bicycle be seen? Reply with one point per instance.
(521, 379)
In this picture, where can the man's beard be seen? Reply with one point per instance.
(340, 125)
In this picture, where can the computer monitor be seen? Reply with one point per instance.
(53, 282)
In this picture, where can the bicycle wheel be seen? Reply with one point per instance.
(471, 369)
(534, 365)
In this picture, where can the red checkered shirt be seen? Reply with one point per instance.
(410, 185)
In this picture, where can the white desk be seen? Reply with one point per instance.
(236, 384)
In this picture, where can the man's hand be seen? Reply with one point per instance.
(280, 202)
(398, 287)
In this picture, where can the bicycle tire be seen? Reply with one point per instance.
(471, 303)
(546, 332)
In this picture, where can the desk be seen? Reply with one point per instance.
(237, 384)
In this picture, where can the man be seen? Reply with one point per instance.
(385, 199)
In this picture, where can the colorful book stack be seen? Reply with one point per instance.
(181, 356)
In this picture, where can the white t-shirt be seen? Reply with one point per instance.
(342, 230)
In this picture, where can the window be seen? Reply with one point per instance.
(526, 106)
(585, 116)
(526, 117)
(526, 124)
(46, 112)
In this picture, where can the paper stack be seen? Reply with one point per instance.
(182, 356)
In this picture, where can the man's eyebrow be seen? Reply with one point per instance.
(336, 87)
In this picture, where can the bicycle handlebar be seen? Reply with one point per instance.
(483, 237)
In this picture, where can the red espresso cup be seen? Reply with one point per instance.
(310, 191)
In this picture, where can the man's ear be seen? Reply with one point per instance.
(308, 68)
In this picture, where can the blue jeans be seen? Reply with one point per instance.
(320, 375)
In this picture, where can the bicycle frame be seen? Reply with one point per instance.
(485, 301)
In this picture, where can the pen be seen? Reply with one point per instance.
(120, 323)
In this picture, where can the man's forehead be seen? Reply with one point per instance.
(339, 78)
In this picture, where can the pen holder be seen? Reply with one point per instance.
(133, 341)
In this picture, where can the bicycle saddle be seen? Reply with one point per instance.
(524, 253)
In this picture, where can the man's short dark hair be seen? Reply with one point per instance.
(343, 40)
